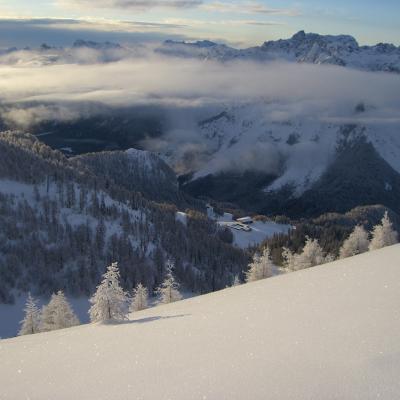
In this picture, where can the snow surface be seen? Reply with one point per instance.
(326, 333)
(181, 217)
(259, 232)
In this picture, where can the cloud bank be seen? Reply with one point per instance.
(132, 4)
(192, 90)
(184, 81)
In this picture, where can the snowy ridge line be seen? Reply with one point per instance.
(342, 50)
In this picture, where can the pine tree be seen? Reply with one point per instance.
(356, 243)
(236, 281)
(140, 298)
(262, 267)
(169, 289)
(30, 324)
(288, 258)
(383, 235)
(110, 301)
(58, 314)
(311, 256)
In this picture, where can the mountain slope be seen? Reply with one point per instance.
(136, 170)
(62, 223)
(297, 165)
(324, 333)
(358, 176)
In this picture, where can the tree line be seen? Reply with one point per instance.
(110, 302)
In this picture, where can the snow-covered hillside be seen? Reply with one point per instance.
(278, 139)
(330, 332)
(62, 220)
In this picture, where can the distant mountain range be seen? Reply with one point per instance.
(303, 47)
(265, 155)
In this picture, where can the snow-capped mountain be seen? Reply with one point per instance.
(81, 52)
(96, 45)
(324, 333)
(294, 155)
(302, 47)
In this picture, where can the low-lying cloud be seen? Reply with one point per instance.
(192, 90)
(182, 81)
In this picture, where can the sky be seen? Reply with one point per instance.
(238, 22)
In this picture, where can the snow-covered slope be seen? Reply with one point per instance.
(302, 47)
(338, 50)
(254, 234)
(329, 333)
(63, 220)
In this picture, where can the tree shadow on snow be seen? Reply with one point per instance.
(144, 320)
(157, 318)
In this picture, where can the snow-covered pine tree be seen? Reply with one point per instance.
(311, 256)
(288, 259)
(140, 298)
(383, 235)
(169, 289)
(236, 281)
(262, 267)
(30, 323)
(58, 314)
(356, 243)
(110, 301)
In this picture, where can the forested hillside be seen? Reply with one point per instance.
(61, 223)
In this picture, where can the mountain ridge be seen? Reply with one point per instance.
(302, 47)
(341, 50)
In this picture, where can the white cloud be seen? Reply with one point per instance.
(131, 4)
(249, 7)
(153, 79)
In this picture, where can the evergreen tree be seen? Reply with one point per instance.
(110, 301)
(262, 267)
(288, 258)
(30, 323)
(58, 314)
(383, 235)
(356, 243)
(311, 256)
(169, 289)
(140, 298)
(236, 281)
